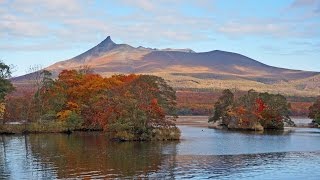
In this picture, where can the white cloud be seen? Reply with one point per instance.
(281, 27)
(17, 26)
(241, 28)
(53, 7)
(142, 4)
(151, 22)
(74, 21)
(33, 47)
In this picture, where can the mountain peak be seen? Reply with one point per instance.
(103, 47)
(107, 41)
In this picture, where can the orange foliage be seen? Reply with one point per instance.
(63, 115)
(101, 101)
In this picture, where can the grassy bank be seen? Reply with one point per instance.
(48, 127)
(157, 134)
(160, 134)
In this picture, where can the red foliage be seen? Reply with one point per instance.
(103, 100)
(260, 105)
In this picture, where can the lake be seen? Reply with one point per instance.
(202, 153)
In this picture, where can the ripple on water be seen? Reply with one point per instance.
(206, 154)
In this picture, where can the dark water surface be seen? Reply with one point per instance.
(201, 154)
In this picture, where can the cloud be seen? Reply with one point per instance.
(77, 21)
(53, 8)
(296, 48)
(163, 6)
(142, 4)
(312, 7)
(305, 43)
(34, 18)
(276, 27)
(34, 47)
(241, 28)
(304, 3)
(147, 22)
(17, 26)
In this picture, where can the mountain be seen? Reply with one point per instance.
(184, 68)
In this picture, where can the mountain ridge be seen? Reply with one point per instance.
(108, 57)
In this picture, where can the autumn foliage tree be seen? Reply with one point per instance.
(20, 106)
(252, 111)
(130, 107)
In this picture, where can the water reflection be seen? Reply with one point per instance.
(82, 155)
(90, 155)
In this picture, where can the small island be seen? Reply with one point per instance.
(126, 107)
(252, 111)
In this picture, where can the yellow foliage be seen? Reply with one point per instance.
(2, 110)
(63, 115)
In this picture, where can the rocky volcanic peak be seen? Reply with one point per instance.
(182, 67)
(103, 47)
(108, 57)
(106, 44)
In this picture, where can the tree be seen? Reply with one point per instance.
(252, 111)
(5, 86)
(20, 105)
(275, 112)
(42, 81)
(85, 69)
(129, 107)
(314, 111)
(133, 106)
(223, 104)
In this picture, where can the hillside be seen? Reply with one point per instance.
(186, 69)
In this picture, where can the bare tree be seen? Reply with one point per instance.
(85, 69)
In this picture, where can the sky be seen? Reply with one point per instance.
(282, 33)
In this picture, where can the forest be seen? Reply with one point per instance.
(127, 107)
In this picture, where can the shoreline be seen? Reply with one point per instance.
(193, 121)
(202, 121)
(38, 128)
(157, 134)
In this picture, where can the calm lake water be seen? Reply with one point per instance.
(201, 154)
